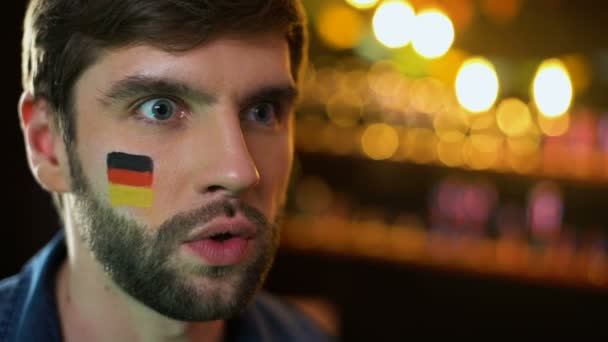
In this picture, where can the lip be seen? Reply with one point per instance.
(237, 226)
(226, 252)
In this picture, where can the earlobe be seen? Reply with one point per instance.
(44, 145)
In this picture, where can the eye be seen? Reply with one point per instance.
(159, 109)
(265, 113)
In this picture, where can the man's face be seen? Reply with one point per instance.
(216, 124)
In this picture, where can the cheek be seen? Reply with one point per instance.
(92, 152)
(128, 185)
(274, 159)
(92, 160)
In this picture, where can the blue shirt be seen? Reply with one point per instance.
(28, 311)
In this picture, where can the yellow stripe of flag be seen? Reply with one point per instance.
(124, 195)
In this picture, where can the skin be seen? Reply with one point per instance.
(226, 142)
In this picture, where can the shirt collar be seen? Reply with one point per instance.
(39, 318)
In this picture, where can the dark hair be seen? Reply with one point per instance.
(64, 37)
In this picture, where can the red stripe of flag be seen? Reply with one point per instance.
(128, 177)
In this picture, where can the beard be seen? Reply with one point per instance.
(148, 268)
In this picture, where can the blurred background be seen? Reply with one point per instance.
(451, 175)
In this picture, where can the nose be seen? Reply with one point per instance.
(230, 168)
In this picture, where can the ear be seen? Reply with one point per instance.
(45, 148)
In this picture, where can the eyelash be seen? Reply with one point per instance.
(183, 111)
(277, 106)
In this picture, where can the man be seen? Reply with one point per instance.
(163, 129)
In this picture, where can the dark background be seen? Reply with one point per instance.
(30, 220)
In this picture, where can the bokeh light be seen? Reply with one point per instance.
(554, 126)
(450, 127)
(527, 145)
(477, 85)
(419, 145)
(513, 117)
(428, 95)
(340, 26)
(489, 142)
(434, 34)
(379, 141)
(552, 88)
(545, 210)
(326, 84)
(481, 151)
(362, 4)
(393, 23)
(483, 121)
(344, 109)
(450, 153)
(445, 68)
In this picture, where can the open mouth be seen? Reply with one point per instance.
(222, 237)
(221, 249)
(223, 241)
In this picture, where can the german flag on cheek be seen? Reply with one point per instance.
(130, 180)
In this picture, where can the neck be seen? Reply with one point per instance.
(92, 308)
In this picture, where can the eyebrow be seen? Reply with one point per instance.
(136, 86)
(140, 85)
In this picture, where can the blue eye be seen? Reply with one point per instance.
(160, 109)
(265, 113)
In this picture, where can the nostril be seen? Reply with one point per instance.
(214, 188)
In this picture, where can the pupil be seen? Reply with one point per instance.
(262, 112)
(161, 109)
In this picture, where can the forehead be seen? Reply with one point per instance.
(225, 63)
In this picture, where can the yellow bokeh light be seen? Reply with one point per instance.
(344, 108)
(325, 84)
(379, 141)
(486, 142)
(383, 79)
(513, 117)
(477, 85)
(450, 127)
(338, 140)
(524, 146)
(524, 164)
(552, 89)
(434, 34)
(450, 154)
(478, 159)
(446, 67)
(393, 23)
(427, 95)
(554, 126)
(484, 121)
(362, 4)
(356, 82)
(340, 26)
(419, 145)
